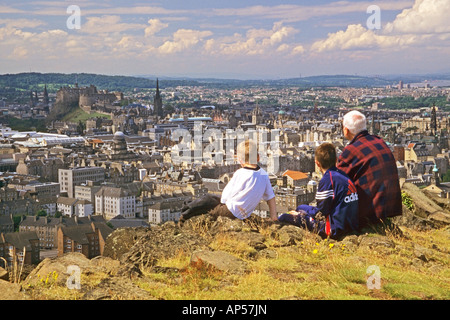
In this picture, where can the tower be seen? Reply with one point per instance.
(256, 115)
(158, 110)
(435, 178)
(46, 100)
(433, 121)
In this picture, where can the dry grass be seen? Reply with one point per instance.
(314, 270)
(310, 269)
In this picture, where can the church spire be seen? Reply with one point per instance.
(158, 109)
(46, 101)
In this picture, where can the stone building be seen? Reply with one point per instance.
(88, 239)
(115, 201)
(19, 247)
(86, 97)
(6, 223)
(46, 228)
(45, 168)
(69, 178)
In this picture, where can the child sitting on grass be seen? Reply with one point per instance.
(249, 185)
(336, 199)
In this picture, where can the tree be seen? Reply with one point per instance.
(81, 127)
(41, 213)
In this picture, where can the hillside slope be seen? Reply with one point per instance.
(256, 259)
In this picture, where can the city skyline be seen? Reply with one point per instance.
(251, 40)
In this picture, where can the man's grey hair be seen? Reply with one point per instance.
(354, 121)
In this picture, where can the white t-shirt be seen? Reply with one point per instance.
(245, 190)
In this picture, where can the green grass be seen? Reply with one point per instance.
(79, 114)
(312, 270)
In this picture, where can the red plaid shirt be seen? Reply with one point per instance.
(369, 162)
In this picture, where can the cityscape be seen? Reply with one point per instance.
(116, 120)
(138, 158)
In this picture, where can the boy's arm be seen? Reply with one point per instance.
(273, 209)
(324, 198)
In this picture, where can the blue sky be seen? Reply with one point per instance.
(238, 39)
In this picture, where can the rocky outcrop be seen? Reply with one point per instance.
(132, 253)
(428, 210)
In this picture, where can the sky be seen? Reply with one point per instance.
(245, 39)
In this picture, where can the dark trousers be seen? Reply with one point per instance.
(208, 204)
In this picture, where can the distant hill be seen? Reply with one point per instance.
(35, 81)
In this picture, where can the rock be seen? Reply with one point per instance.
(219, 260)
(117, 288)
(422, 204)
(351, 241)
(224, 224)
(199, 224)
(427, 212)
(4, 275)
(440, 218)
(376, 241)
(289, 235)
(59, 266)
(11, 291)
(160, 242)
(106, 264)
(121, 240)
(422, 253)
(253, 239)
(267, 254)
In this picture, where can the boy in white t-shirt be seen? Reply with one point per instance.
(248, 186)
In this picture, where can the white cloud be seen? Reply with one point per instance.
(292, 13)
(155, 25)
(19, 53)
(108, 24)
(255, 42)
(415, 26)
(299, 49)
(426, 16)
(182, 40)
(22, 23)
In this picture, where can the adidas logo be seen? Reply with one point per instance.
(351, 194)
(350, 198)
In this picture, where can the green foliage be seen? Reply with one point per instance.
(77, 114)
(41, 213)
(17, 220)
(407, 201)
(446, 176)
(25, 124)
(37, 81)
(409, 102)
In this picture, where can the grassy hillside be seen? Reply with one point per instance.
(77, 114)
(412, 266)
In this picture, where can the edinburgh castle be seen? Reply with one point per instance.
(86, 98)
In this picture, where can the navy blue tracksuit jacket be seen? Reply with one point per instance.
(337, 200)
